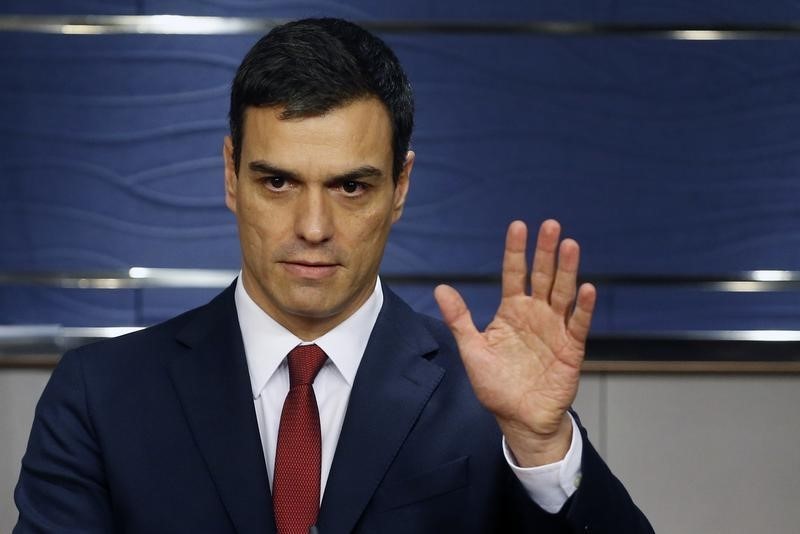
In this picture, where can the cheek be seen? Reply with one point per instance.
(369, 237)
(255, 230)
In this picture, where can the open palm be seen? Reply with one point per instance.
(525, 366)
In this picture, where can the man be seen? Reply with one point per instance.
(307, 394)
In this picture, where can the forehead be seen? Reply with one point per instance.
(351, 135)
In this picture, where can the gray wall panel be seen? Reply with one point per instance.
(591, 408)
(19, 391)
(710, 454)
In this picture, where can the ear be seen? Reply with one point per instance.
(231, 180)
(401, 187)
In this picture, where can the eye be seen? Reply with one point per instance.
(352, 188)
(275, 183)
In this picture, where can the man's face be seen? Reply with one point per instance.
(314, 201)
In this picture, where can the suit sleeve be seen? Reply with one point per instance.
(600, 505)
(62, 486)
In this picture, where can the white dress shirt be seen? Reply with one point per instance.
(266, 345)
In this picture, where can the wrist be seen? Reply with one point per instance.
(532, 449)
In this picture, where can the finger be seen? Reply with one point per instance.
(563, 294)
(578, 325)
(544, 259)
(515, 266)
(456, 315)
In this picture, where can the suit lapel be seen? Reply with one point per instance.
(393, 384)
(212, 382)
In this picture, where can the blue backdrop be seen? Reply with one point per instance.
(659, 156)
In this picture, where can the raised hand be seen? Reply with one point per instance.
(525, 366)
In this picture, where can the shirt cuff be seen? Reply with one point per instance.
(551, 485)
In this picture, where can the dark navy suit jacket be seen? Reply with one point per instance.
(156, 432)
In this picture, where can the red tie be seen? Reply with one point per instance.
(295, 491)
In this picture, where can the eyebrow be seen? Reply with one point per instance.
(263, 167)
(359, 173)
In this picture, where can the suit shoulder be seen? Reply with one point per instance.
(437, 328)
(152, 342)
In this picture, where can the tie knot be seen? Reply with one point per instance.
(305, 361)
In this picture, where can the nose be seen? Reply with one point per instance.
(313, 217)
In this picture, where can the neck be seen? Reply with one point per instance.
(306, 326)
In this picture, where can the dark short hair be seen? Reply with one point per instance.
(312, 66)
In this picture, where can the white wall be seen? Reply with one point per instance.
(700, 453)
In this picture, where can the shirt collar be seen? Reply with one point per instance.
(266, 342)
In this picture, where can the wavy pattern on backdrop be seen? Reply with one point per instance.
(659, 156)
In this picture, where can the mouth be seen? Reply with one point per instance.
(310, 269)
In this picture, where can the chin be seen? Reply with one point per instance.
(310, 308)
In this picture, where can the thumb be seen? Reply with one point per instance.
(456, 315)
